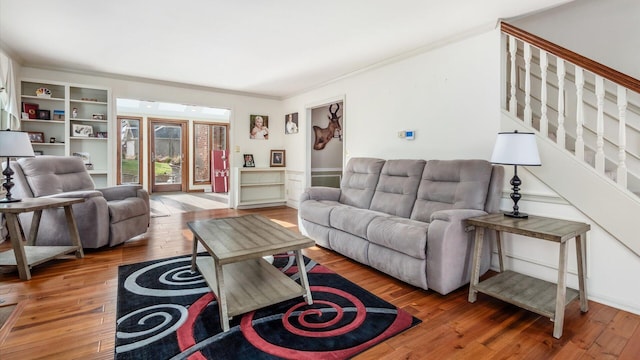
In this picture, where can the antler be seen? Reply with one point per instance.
(334, 114)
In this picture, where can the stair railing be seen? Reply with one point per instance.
(533, 61)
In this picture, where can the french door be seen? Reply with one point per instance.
(168, 155)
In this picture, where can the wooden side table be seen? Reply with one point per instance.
(25, 256)
(539, 296)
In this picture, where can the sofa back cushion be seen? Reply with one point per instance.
(49, 175)
(452, 184)
(359, 181)
(397, 187)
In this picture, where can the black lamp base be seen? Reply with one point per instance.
(517, 215)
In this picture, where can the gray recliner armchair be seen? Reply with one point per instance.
(109, 216)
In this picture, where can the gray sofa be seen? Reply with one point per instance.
(406, 217)
(109, 216)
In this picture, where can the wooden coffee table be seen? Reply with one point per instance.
(236, 272)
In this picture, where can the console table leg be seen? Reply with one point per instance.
(302, 271)
(582, 271)
(475, 272)
(561, 294)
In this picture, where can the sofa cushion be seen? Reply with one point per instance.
(48, 175)
(397, 187)
(402, 235)
(120, 210)
(452, 184)
(353, 220)
(317, 211)
(359, 181)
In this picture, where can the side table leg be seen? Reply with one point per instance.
(194, 252)
(35, 226)
(500, 253)
(475, 272)
(222, 297)
(581, 247)
(561, 293)
(73, 231)
(18, 247)
(302, 271)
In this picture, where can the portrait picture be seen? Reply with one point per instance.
(259, 127)
(248, 160)
(291, 123)
(277, 158)
(36, 137)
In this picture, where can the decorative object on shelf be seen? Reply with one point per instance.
(43, 92)
(89, 99)
(58, 115)
(259, 125)
(89, 166)
(44, 114)
(101, 134)
(74, 113)
(13, 144)
(248, 160)
(291, 123)
(277, 158)
(24, 116)
(516, 148)
(52, 140)
(38, 152)
(97, 116)
(85, 156)
(82, 130)
(31, 110)
(36, 136)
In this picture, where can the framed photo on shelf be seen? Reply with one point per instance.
(31, 110)
(81, 130)
(44, 114)
(248, 161)
(101, 134)
(38, 152)
(277, 158)
(36, 137)
(85, 156)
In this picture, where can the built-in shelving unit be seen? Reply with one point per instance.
(70, 120)
(260, 187)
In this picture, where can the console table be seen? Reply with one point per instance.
(25, 256)
(542, 297)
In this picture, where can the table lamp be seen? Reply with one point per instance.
(13, 144)
(516, 148)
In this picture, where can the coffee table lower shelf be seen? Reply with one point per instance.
(250, 284)
(527, 292)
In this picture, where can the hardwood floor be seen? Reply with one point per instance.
(69, 308)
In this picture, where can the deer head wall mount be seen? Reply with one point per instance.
(323, 136)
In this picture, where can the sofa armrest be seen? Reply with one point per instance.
(85, 194)
(450, 250)
(120, 192)
(321, 193)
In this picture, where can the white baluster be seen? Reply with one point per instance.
(513, 104)
(600, 124)
(544, 122)
(579, 113)
(527, 84)
(622, 136)
(560, 132)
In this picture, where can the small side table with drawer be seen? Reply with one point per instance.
(542, 297)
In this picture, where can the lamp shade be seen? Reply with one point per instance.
(15, 144)
(516, 148)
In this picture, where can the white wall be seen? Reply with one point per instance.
(451, 97)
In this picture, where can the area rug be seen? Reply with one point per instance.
(166, 312)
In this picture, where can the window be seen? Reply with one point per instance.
(206, 138)
(129, 160)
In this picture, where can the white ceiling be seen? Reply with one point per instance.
(272, 48)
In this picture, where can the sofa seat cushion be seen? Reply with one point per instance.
(353, 220)
(402, 235)
(317, 211)
(120, 210)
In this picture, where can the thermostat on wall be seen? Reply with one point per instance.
(409, 134)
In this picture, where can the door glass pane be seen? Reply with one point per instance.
(168, 153)
(219, 137)
(130, 151)
(202, 153)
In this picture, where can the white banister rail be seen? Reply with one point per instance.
(595, 114)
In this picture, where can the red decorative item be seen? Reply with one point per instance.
(31, 110)
(220, 171)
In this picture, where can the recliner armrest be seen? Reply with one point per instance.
(321, 193)
(85, 194)
(120, 192)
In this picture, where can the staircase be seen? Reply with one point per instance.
(587, 121)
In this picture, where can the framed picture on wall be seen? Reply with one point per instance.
(248, 160)
(291, 123)
(277, 158)
(259, 127)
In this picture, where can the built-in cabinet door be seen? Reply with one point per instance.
(168, 155)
